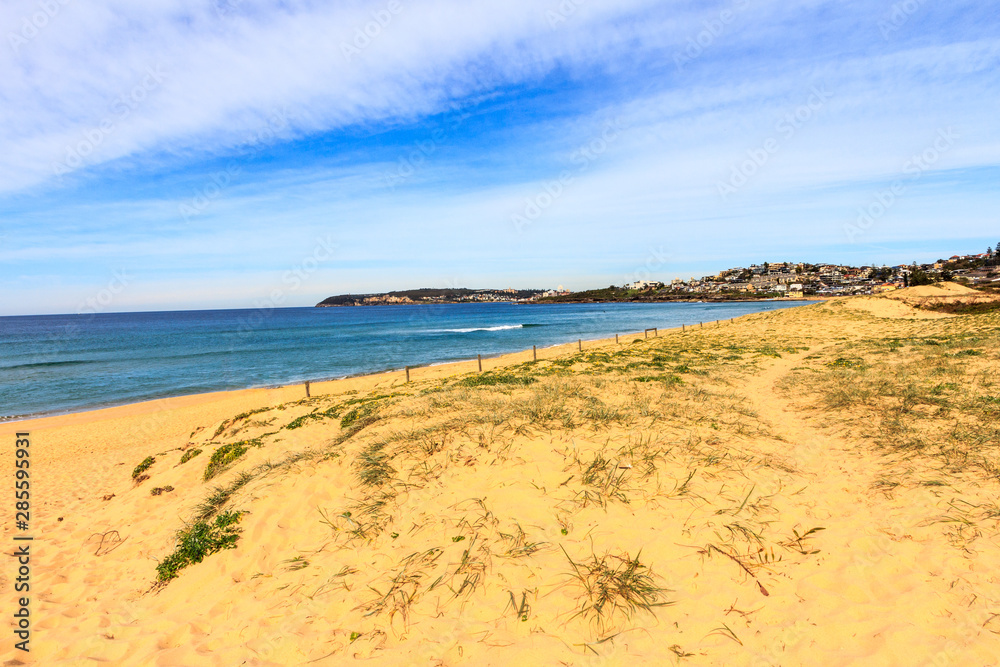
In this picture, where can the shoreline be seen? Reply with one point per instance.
(165, 400)
(317, 387)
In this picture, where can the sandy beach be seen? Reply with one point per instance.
(798, 487)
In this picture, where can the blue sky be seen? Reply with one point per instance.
(244, 153)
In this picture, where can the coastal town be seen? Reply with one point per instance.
(792, 280)
(769, 280)
(788, 279)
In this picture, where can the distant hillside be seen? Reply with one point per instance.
(622, 294)
(429, 295)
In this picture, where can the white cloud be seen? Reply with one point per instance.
(82, 84)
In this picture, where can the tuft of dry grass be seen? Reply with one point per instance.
(615, 585)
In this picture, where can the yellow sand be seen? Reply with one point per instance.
(738, 448)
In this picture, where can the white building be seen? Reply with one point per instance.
(642, 284)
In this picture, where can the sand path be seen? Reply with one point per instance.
(879, 555)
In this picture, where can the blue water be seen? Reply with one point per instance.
(66, 363)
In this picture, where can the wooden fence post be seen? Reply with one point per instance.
(479, 357)
(534, 352)
(580, 342)
(616, 339)
(307, 388)
(407, 373)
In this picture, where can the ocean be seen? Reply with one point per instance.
(53, 364)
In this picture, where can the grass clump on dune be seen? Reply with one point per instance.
(220, 495)
(490, 379)
(223, 457)
(615, 585)
(146, 464)
(361, 416)
(190, 454)
(374, 467)
(199, 540)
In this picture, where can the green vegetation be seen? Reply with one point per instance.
(146, 464)
(428, 295)
(220, 495)
(240, 417)
(223, 457)
(374, 467)
(199, 540)
(494, 379)
(980, 308)
(362, 413)
(613, 294)
(190, 454)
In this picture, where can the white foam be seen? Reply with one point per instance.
(503, 327)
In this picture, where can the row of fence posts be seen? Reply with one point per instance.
(534, 348)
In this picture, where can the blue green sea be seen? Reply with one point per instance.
(65, 363)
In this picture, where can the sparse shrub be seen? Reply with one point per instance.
(490, 379)
(160, 490)
(361, 414)
(842, 362)
(199, 540)
(223, 457)
(190, 454)
(146, 464)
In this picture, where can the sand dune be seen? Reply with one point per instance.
(801, 487)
